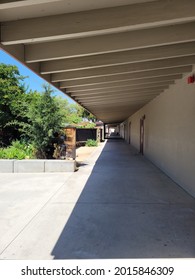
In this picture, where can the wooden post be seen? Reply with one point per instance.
(70, 142)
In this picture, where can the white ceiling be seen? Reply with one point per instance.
(15, 10)
(111, 56)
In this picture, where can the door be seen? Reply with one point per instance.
(142, 135)
(130, 133)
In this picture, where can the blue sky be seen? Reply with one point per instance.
(33, 81)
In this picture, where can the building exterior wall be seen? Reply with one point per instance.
(169, 134)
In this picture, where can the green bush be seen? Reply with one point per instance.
(91, 143)
(87, 125)
(2, 153)
(17, 150)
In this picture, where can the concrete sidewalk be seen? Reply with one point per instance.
(118, 205)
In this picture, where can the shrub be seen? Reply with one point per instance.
(91, 143)
(2, 153)
(45, 119)
(87, 125)
(17, 150)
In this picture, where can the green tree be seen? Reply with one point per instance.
(72, 113)
(12, 96)
(31, 116)
(87, 115)
(75, 114)
(45, 118)
(64, 109)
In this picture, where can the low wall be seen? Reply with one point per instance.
(36, 166)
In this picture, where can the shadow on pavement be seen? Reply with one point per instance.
(128, 209)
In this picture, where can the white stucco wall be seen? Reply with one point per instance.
(170, 133)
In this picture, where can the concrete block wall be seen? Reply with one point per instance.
(169, 136)
(60, 166)
(29, 166)
(37, 166)
(6, 166)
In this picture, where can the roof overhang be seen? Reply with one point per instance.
(111, 56)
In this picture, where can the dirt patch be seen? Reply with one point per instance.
(82, 153)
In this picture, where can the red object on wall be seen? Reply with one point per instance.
(191, 79)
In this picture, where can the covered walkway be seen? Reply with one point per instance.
(128, 62)
(117, 205)
(128, 209)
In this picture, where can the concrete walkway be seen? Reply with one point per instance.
(118, 205)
